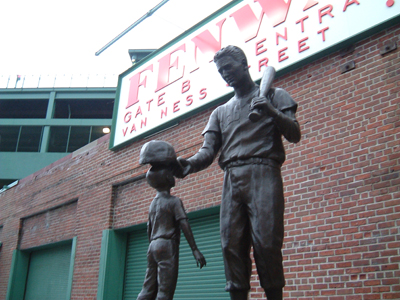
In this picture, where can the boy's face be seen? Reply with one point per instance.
(160, 178)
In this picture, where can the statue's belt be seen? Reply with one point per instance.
(252, 161)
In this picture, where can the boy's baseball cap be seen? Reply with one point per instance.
(157, 152)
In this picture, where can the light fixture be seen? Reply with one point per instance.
(106, 130)
(137, 55)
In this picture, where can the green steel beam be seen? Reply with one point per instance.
(86, 95)
(23, 96)
(18, 273)
(72, 93)
(71, 269)
(46, 130)
(51, 106)
(112, 265)
(55, 122)
(44, 144)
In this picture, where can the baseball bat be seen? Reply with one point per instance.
(265, 85)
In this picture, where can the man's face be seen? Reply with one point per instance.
(231, 70)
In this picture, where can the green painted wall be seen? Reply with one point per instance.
(17, 165)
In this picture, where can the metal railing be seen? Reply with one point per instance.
(57, 81)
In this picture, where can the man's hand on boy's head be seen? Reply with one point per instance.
(184, 168)
(201, 261)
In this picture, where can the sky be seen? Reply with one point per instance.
(52, 37)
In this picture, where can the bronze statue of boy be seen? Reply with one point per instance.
(166, 219)
(247, 131)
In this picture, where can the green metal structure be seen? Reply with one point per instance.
(41, 125)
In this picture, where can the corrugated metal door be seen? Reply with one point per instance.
(48, 274)
(193, 283)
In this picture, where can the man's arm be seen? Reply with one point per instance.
(205, 156)
(187, 231)
(149, 230)
(288, 125)
(285, 120)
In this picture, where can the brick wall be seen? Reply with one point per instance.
(51, 226)
(341, 180)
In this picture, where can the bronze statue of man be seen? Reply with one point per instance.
(251, 154)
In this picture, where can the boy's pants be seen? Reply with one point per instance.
(162, 270)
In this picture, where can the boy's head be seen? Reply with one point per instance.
(160, 178)
(162, 158)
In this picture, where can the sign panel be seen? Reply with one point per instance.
(181, 78)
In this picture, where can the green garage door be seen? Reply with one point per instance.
(48, 274)
(193, 283)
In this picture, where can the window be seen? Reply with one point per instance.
(71, 138)
(20, 138)
(97, 132)
(23, 109)
(79, 137)
(58, 139)
(9, 138)
(84, 109)
(6, 182)
(30, 138)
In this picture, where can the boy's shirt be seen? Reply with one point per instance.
(164, 215)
